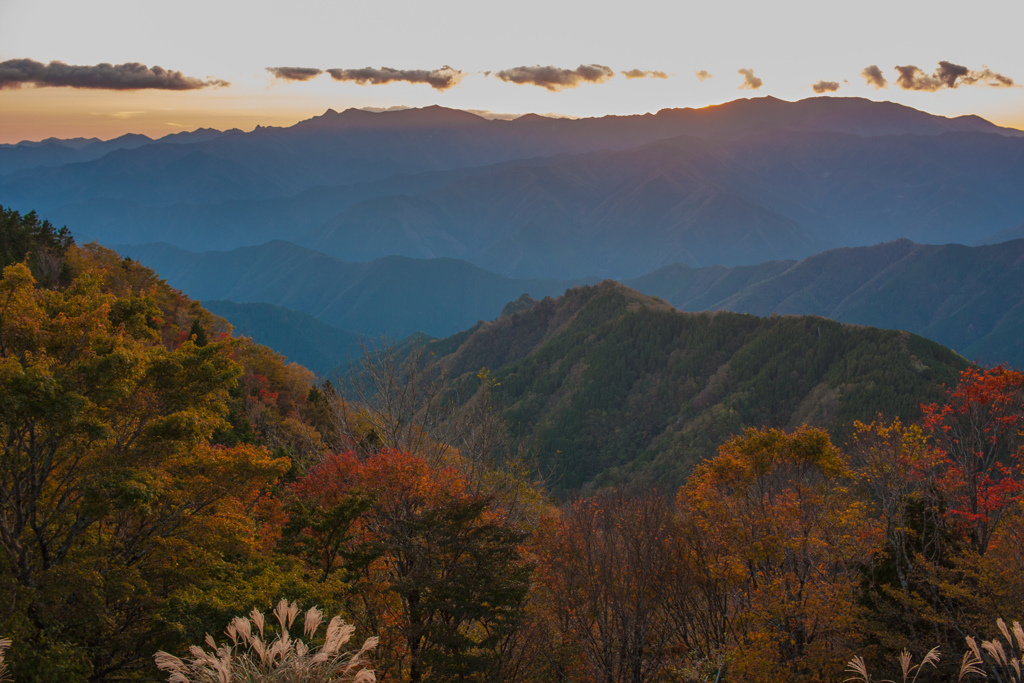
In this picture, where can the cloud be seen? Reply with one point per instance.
(438, 79)
(949, 75)
(125, 114)
(294, 73)
(554, 78)
(825, 86)
(15, 73)
(750, 81)
(637, 73)
(702, 75)
(873, 75)
(380, 110)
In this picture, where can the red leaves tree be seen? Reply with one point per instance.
(979, 432)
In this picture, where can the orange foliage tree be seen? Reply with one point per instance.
(777, 505)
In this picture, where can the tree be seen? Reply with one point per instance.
(777, 506)
(437, 569)
(980, 430)
(893, 466)
(607, 568)
(110, 494)
(41, 245)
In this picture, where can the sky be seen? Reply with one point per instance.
(207, 63)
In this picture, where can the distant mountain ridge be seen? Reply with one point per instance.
(56, 151)
(301, 338)
(534, 197)
(968, 298)
(395, 296)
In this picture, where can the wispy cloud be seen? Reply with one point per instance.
(15, 73)
(873, 75)
(380, 110)
(294, 73)
(702, 75)
(949, 75)
(637, 73)
(825, 86)
(750, 81)
(554, 78)
(439, 79)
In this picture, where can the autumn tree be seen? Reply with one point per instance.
(776, 505)
(980, 431)
(947, 495)
(435, 568)
(894, 467)
(607, 568)
(109, 489)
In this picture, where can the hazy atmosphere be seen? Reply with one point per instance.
(154, 68)
(529, 342)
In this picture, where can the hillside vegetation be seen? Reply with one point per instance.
(611, 386)
(160, 478)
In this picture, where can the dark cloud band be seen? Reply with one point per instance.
(15, 73)
(949, 75)
(554, 78)
(439, 79)
(294, 73)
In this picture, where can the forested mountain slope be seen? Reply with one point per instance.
(609, 385)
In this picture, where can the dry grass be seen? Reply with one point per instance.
(4, 644)
(1002, 659)
(251, 657)
(909, 670)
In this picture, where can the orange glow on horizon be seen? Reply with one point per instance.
(39, 113)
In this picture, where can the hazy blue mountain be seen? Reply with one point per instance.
(302, 338)
(699, 202)
(607, 213)
(396, 296)
(203, 190)
(1014, 233)
(57, 152)
(968, 298)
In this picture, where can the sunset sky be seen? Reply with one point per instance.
(492, 50)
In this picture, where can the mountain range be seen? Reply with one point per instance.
(968, 298)
(618, 196)
(430, 220)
